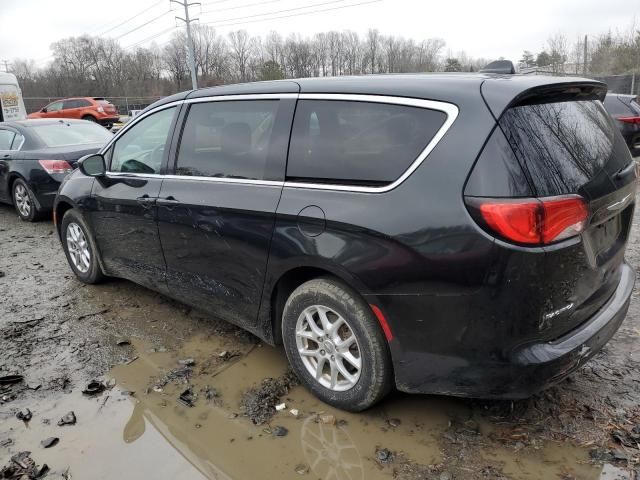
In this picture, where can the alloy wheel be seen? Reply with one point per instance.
(78, 248)
(328, 348)
(22, 200)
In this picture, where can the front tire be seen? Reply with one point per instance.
(80, 248)
(24, 201)
(335, 345)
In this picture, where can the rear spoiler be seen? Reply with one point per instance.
(502, 93)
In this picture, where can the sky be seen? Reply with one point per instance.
(482, 28)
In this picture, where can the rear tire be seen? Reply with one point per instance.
(80, 248)
(346, 339)
(90, 118)
(24, 201)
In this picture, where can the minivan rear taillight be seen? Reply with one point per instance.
(55, 166)
(532, 221)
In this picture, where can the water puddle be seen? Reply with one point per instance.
(136, 431)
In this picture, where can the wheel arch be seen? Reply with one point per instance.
(275, 296)
(59, 209)
(13, 176)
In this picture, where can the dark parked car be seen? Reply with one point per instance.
(388, 230)
(626, 112)
(35, 155)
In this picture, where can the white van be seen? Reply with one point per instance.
(11, 103)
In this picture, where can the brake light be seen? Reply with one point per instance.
(100, 109)
(55, 166)
(534, 221)
(634, 120)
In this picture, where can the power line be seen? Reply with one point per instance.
(213, 3)
(151, 37)
(277, 11)
(239, 7)
(131, 18)
(293, 15)
(143, 25)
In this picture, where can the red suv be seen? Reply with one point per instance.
(95, 109)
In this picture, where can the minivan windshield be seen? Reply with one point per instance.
(564, 145)
(63, 134)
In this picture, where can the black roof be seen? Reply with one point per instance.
(457, 88)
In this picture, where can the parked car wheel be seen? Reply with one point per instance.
(335, 345)
(24, 202)
(89, 118)
(80, 248)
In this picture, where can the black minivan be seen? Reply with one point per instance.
(452, 234)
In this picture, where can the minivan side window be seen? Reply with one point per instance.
(229, 139)
(351, 142)
(141, 148)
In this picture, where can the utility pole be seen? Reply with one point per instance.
(6, 65)
(584, 58)
(187, 21)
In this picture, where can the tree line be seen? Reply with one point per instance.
(88, 65)
(96, 66)
(610, 53)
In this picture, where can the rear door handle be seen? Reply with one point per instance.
(146, 201)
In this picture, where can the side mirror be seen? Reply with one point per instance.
(93, 165)
(44, 110)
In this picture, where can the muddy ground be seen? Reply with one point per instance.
(189, 397)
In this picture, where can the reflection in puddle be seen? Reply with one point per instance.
(330, 451)
(151, 435)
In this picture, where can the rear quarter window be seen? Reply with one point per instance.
(564, 145)
(350, 142)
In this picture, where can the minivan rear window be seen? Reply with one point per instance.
(563, 145)
(349, 142)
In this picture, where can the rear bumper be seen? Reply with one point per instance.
(527, 370)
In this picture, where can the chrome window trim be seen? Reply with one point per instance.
(450, 109)
(214, 98)
(249, 96)
(246, 181)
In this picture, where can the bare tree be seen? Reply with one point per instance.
(557, 48)
(373, 48)
(240, 53)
